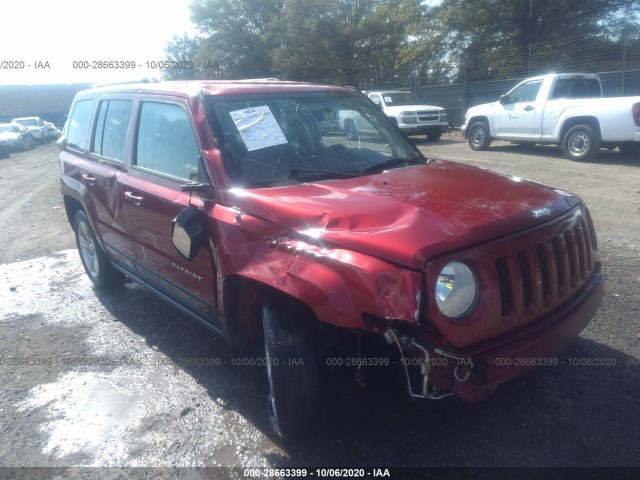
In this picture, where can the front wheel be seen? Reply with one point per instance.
(292, 368)
(434, 135)
(581, 143)
(479, 136)
(94, 260)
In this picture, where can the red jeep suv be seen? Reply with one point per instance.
(236, 203)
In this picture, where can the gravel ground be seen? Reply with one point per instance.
(95, 379)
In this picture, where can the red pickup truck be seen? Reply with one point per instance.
(229, 201)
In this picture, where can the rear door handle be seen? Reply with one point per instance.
(135, 199)
(528, 108)
(89, 179)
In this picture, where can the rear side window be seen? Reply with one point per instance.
(165, 141)
(576, 88)
(78, 127)
(111, 128)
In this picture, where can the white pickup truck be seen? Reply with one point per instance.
(563, 109)
(411, 114)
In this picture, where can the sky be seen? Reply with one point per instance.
(41, 39)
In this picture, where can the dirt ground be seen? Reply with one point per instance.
(107, 380)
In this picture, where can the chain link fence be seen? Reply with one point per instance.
(459, 86)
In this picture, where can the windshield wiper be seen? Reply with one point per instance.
(393, 162)
(303, 175)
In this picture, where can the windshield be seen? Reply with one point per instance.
(395, 99)
(287, 138)
(28, 122)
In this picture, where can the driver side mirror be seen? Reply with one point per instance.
(187, 233)
(506, 99)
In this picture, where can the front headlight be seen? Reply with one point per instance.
(456, 290)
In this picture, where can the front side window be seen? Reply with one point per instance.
(165, 142)
(111, 128)
(526, 92)
(275, 139)
(29, 122)
(78, 127)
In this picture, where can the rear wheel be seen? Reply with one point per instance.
(479, 137)
(581, 143)
(94, 260)
(292, 368)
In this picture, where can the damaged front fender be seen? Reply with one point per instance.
(339, 285)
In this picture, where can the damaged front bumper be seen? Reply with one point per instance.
(435, 372)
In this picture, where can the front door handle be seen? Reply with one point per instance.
(89, 179)
(135, 199)
(528, 108)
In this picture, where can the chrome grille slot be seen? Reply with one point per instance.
(562, 264)
(506, 296)
(525, 274)
(572, 252)
(545, 278)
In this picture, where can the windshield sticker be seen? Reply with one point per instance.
(388, 99)
(258, 127)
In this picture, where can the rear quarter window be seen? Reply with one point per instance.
(78, 126)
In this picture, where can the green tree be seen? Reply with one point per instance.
(342, 40)
(181, 52)
(315, 40)
(496, 38)
(238, 36)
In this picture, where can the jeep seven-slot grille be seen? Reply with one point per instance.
(546, 274)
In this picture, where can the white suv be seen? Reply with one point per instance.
(36, 126)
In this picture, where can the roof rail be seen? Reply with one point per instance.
(126, 82)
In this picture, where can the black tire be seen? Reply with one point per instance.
(581, 143)
(350, 130)
(292, 369)
(479, 136)
(94, 260)
(434, 136)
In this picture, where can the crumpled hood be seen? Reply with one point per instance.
(411, 214)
